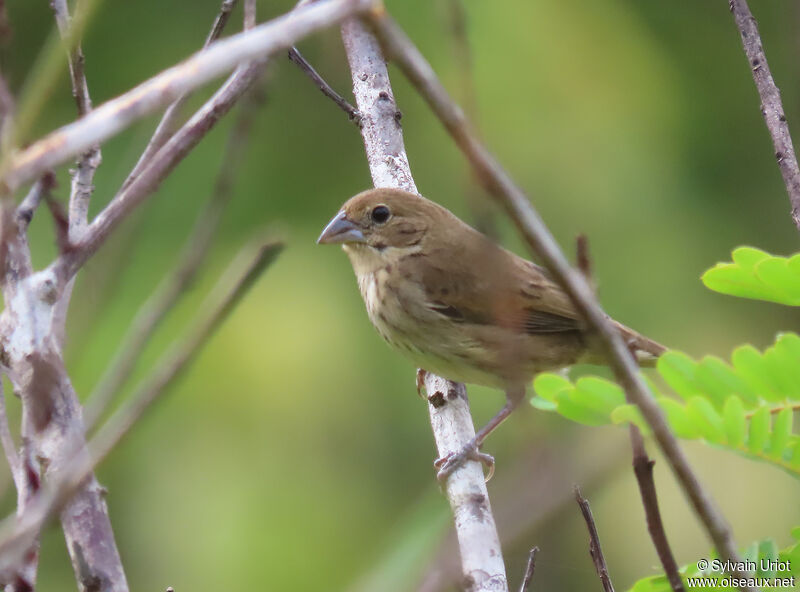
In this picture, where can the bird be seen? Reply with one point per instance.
(461, 306)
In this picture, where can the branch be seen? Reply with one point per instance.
(16, 534)
(643, 469)
(82, 177)
(166, 127)
(537, 235)
(771, 106)
(117, 114)
(481, 555)
(179, 279)
(594, 542)
(529, 569)
(352, 113)
(165, 160)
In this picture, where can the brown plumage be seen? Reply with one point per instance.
(456, 303)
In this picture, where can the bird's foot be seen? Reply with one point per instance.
(421, 375)
(448, 464)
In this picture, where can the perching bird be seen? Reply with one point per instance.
(460, 306)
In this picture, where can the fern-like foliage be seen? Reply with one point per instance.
(746, 405)
(770, 563)
(759, 275)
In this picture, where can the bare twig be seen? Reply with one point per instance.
(352, 113)
(115, 115)
(179, 279)
(169, 121)
(594, 542)
(82, 177)
(529, 569)
(538, 236)
(16, 535)
(643, 469)
(249, 14)
(481, 555)
(27, 208)
(771, 106)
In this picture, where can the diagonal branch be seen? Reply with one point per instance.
(178, 280)
(771, 105)
(297, 58)
(595, 550)
(169, 121)
(538, 236)
(112, 117)
(17, 534)
(481, 555)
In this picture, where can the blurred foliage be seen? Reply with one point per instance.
(295, 454)
(759, 275)
(727, 405)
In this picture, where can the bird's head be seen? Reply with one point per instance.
(380, 223)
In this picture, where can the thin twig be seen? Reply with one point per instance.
(643, 469)
(771, 105)
(28, 206)
(249, 14)
(112, 117)
(352, 113)
(595, 550)
(529, 569)
(179, 279)
(482, 565)
(169, 121)
(16, 534)
(538, 236)
(83, 175)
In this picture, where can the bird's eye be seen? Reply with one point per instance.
(380, 214)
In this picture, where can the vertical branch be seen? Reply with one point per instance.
(771, 105)
(481, 555)
(82, 177)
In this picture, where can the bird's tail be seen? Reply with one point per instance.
(646, 351)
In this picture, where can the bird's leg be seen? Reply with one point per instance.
(471, 450)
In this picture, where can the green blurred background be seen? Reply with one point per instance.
(295, 454)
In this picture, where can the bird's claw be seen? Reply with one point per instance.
(421, 375)
(448, 464)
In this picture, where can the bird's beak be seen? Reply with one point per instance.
(341, 230)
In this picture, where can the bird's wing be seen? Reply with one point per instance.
(488, 285)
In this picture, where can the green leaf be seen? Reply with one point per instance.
(598, 394)
(781, 430)
(679, 419)
(549, 385)
(706, 419)
(759, 275)
(759, 430)
(735, 421)
(630, 414)
(750, 366)
(678, 370)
